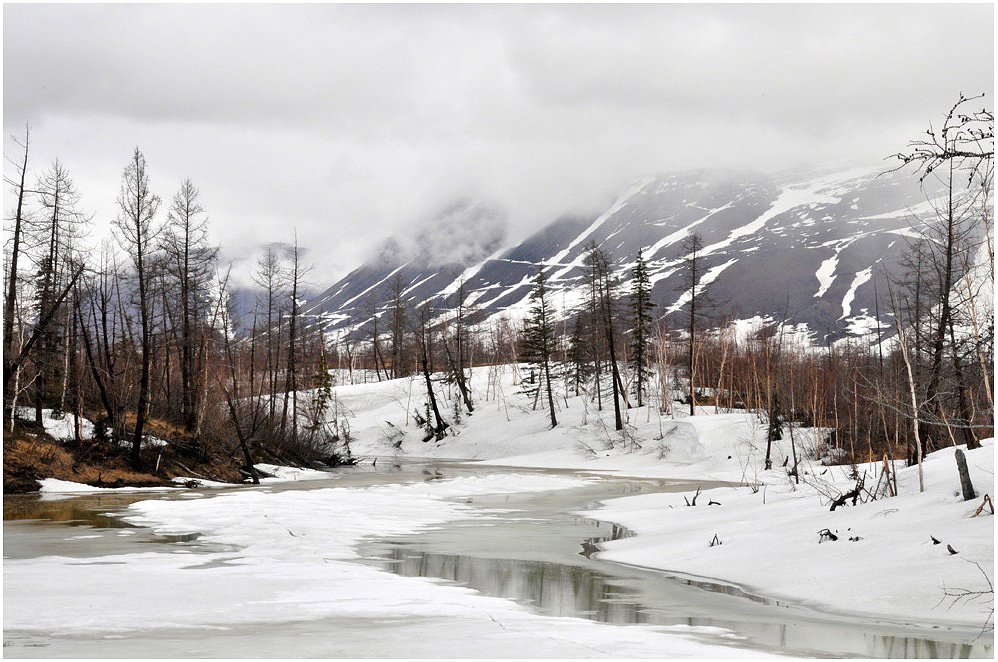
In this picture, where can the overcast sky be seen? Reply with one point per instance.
(352, 123)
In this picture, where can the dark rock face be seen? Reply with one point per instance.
(806, 246)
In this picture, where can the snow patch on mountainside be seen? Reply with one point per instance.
(681, 234)
(468, 273)
(787, 200)
(826, 275)
(617, 206)
(380, 282)
(709, 277)
(861, 277)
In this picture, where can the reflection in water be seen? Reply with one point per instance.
(585, 587)
(591, 545)
(553, 589)
(581, 592)
(93, 510)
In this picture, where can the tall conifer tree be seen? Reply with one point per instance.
(539, 337)
(641, 307)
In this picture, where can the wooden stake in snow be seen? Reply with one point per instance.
(965, 484)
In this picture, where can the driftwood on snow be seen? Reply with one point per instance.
(986, 501)
(852, 495)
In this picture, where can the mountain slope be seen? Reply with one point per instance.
(805, 246)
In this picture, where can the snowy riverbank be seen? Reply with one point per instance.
(883, 565)
(768, 527)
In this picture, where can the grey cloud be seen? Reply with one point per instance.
(349, 122)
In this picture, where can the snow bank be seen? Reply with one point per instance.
(884, 563)
(203, 482)
(285, 474)
(56, 486)
(278, 474)
(893, 571)
(507, 431)
(148, 441)
(58, 426)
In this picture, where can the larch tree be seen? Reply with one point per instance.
(959, 153)
(372, 313)
(423, 333)
(397, 317)
(16, 183)
(191, 264)
(692, 250)
(270, 278)
(456, 356)
(56, 227)
(296, 274)
(137, 232)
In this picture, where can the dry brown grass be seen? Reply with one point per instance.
(26, 459)
(157, 427)
(30, 455)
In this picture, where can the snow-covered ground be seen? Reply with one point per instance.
(507, 430)
(56, 488)
(884, 563)
(292, 550)
(60, 426)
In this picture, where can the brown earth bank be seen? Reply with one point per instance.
(30, 455)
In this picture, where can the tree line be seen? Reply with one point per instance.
(143, 330)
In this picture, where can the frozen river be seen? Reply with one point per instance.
(335, 568)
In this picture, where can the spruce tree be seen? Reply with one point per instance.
(593, 314)
(539, 337)
(579, 352)
(323, 392)
(641, 306)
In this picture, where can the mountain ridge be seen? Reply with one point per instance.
(802, 246)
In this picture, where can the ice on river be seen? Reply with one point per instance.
(290, 563)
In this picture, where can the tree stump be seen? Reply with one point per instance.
(965, 484)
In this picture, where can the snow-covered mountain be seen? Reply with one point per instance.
(802, 246)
